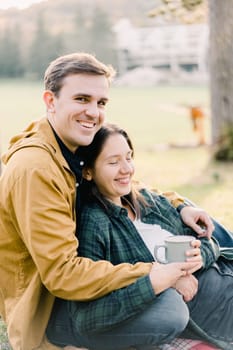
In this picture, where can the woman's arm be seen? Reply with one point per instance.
(112, 309)
(209, 251)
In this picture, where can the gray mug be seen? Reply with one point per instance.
(175, 248)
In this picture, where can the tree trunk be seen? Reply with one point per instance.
(221, 65)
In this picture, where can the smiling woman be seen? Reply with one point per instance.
(5, 4)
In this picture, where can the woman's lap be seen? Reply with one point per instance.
(211, 310)
(161, 322)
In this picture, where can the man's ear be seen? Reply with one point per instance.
(48, 97)
(87, 174)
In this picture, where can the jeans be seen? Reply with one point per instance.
(159, 323)
(212, 307)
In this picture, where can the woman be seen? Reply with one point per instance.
(114, 226)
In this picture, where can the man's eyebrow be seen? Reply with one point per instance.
(104, 99)
(80, 94)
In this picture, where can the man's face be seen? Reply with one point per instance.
(78, 111)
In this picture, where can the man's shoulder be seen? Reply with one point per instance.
(30, 156)
(35, 147)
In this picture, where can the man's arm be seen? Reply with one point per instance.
(44, 217)
(192, 216)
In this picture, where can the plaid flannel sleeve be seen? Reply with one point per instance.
(112, 309)
(209, 251)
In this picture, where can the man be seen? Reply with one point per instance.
(38, 245)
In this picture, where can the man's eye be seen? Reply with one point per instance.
(81, 99)
(102, 103)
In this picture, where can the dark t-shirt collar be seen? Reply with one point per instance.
(74, 160)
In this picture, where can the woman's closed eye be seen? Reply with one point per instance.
(113, 162)
(117, 161)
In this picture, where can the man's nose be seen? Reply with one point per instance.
(92, 110)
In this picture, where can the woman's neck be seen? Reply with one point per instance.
(130, 209)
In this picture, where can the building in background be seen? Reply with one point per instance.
(173, 48)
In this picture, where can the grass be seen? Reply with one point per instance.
(4, 345)
(155, 118)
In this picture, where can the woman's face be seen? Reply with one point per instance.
(113, 169)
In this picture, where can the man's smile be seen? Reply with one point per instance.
(87, 124)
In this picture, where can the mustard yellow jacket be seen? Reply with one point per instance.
(38, 246)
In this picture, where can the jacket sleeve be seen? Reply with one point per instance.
(43, 210)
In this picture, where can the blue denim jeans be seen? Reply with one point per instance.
(159, 323)
(211, 309)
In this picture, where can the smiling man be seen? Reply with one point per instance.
(77, 111)
(38, 249)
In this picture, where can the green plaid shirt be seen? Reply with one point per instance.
(111, 235)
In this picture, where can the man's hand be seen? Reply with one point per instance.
(198, 220)
(164, 276)
(187, 286)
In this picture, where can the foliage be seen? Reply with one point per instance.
(10, 59)
(4, 345)
(102, 39)
(186, 11)
(31, 38)
(94, 34)
(43, 49)
(224, 148)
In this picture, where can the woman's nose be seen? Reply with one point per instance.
(126, 167)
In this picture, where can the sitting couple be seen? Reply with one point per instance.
(193, 299)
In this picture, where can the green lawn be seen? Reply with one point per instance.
(155, 118)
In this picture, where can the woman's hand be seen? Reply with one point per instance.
(198, 220)
(187, 286)
(164, 276)
(194, 255)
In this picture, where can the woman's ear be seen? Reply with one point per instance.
(87, 174)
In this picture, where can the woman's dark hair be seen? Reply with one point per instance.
(90, 153)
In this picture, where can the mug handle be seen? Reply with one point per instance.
(156, 249)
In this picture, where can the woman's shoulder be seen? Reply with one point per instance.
(149, 195)
(156, 201)
(93, 211)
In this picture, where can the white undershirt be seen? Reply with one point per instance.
(152, 234)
